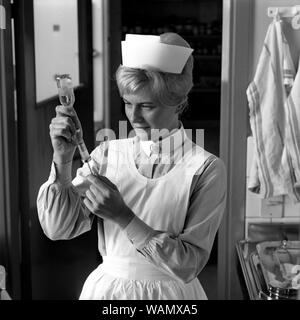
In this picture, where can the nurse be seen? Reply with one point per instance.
(158, 197)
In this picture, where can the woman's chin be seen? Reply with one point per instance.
(142, 133)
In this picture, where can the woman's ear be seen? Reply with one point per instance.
(180, 108)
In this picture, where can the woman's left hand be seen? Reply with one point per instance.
(105, 201)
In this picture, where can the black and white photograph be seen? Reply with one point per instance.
(149, 154)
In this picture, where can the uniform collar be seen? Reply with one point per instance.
(166, 145)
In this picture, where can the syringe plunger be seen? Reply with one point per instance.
(67, 98)
(65, 89)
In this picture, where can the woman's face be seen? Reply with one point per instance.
(144, 115)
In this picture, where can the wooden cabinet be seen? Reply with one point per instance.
(205, 96)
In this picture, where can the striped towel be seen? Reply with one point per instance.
(273, 169)
(292, 108)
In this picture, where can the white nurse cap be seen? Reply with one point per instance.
(146, 51)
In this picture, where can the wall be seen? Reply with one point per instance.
(56, 47)
(56, 44)
(98, 67)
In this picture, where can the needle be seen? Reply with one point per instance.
(90, 169)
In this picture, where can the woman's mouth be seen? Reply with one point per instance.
(140, 127)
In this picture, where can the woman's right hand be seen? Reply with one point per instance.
(62, 133)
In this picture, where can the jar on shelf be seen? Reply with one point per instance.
(124, 30)
(179, 28)
(147, 30)
(205, 51)
(166, 28)
(216, 27)
(188, 27)
(159, 30)
(208, 29)
(138, 29)
(201, 29)
(195, 30)
(131, 30)
(198, 49)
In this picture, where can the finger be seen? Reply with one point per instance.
(101, 183)
(108, 182)
(76, 119)
(64, 110)
(97, 183)
(94, 198)
(59, 126)
(70, 112)
(88, 204)
(60, 132)
(97, 192)
(61, 121)
(90, 207)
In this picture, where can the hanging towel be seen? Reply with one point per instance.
(292, 108)
(272, 172)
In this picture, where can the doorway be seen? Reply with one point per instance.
(36, 265)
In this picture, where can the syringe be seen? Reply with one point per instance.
(67, 98)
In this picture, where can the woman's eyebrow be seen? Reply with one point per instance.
(143, 102)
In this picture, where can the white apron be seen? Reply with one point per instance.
(161, 203)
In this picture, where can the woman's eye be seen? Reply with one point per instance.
(141, 106)
(145, 106)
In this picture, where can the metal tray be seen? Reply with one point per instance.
(280, 264)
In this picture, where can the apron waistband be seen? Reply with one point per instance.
(132, 269)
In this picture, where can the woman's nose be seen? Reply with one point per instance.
(135, 113)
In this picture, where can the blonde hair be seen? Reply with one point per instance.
(167, 89)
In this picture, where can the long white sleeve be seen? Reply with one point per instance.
(185, 255)
(60, 206)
